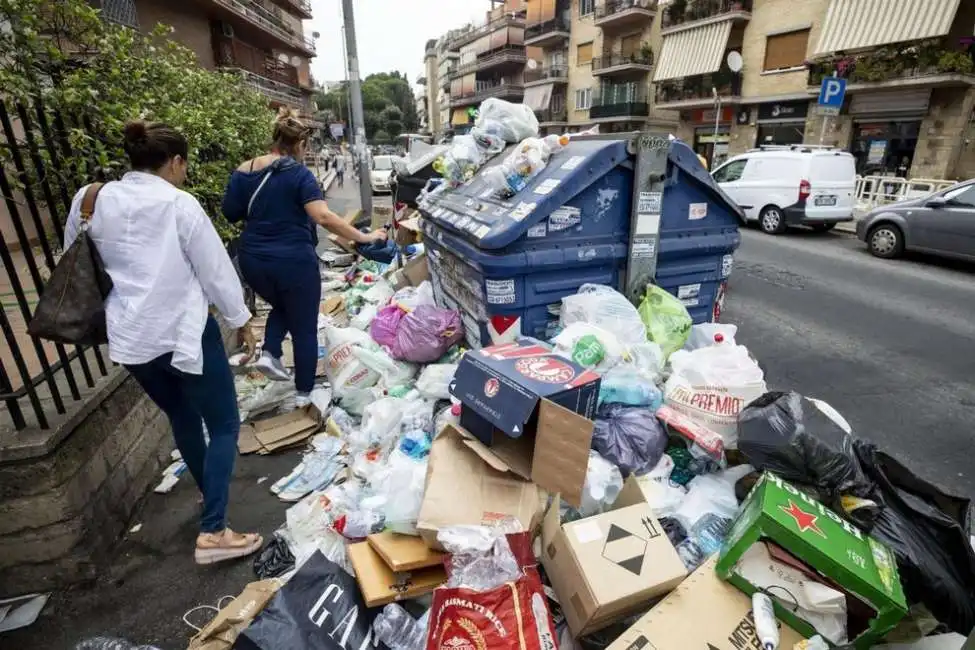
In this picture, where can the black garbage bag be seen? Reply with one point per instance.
(787, 434)
(630, 437)
(274, 560)
(320, 608)
(928, 531)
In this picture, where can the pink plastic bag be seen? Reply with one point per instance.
(425, 334)
(384, 326)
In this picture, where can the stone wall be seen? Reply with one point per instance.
(61, 513)
(940, 145)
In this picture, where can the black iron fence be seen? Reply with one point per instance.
(39, 174)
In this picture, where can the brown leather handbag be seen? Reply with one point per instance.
(72, 307)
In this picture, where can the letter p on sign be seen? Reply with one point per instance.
(832, 91)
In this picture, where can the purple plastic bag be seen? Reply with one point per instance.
(425, 334)
(384, 326)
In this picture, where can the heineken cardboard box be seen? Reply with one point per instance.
(824, 542)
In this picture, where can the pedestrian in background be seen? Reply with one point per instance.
(167, 264)
(340, 170)
(280, 203)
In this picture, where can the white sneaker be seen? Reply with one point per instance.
(272, 368)
(301, 401)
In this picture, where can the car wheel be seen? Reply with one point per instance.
(771, 220)
(823, 227)
(886, 241)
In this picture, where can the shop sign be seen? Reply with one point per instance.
(707, 115)
(783, 110)
(744, 115)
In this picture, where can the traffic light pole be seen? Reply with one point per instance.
(355, 93)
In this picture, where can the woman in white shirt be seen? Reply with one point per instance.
(168, 265)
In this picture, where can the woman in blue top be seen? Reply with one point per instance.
(280, 202)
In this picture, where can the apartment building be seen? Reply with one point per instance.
(743, 73)
(430, 89)
(548, 27)
(263, 40)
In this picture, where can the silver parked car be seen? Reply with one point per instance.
(942, 223)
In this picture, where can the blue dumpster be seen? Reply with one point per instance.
(506, 264)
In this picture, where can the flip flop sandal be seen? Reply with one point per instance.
(226, 545)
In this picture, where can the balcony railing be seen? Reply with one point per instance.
(476, 32)
(552, 115)
(547, 73)
(267, 21)
(548, 32)
(504, 55)
(274, 90)
(303, 7)
(611, 11)
(894, 63)
(619, 103)
(485, 90)
(234, 53)
(698, 88)
(688, 11)
(622, 61)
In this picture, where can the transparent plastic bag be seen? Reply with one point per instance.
(398, 630)
(513, 122)
(707, 513)
(404, 489)
(703, 335)
(380, 425)
(480, 557)
(607, 309)
(666, 320)
(434, 380)
(602, 486)
(391, 371)
(571, 342)
(627, 385)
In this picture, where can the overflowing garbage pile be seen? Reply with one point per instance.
(632, 482)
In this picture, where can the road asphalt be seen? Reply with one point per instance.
(887, 343)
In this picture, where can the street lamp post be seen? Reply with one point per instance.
(355, 97)
(717, 120)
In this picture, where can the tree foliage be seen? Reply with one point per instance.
(97, 76)
(387, 104)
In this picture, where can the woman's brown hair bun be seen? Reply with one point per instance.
(135, 131)
(289, 128)
(150, 146)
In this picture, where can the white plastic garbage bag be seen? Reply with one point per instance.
(404, 490)
(344, 369)
(392, 372)
(610, 354)
(712, 384)
(380, 425)
(513, 122)
(607, 309)
(434, 381)
(707, 334)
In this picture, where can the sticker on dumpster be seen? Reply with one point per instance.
(500, 292)
(643, 248)
(649, 203)
(697, 211)
(690, 302)
(727, 262)
(605, 198)
(688, 291)
(564, 218)
(572, 163)
(482, 231)
(546, 186)
(537, 231)
(488, 193)
(522, 210)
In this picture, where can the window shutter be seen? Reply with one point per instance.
(786, 50)
(630, 45)
(584, 54)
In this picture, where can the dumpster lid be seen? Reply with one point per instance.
(476, 212)
(681, 155)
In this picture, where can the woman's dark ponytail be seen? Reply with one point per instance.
(149, 146)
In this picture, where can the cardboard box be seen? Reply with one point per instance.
(413, 274)
(404, 552)
(606, 567)
(463, 489)
(531, 410)
(381, 216)
(408, 231)
(702, 612)
(380, 585)
(279, 432)
(824, 541)
(347, 245)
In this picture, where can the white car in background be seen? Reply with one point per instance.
(379, 175)
(797, 185)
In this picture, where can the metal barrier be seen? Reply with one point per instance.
(874, 191)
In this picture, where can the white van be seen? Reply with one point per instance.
(781, 186)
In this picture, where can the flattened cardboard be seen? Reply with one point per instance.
(555, 455)
(279, 432)
(348, 246)
(609, 566)
(462, 489)
(404, 552)
(413, 274)
(380, 585)
(331, 305)
(702, 612)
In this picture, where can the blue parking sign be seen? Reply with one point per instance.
(832, 92)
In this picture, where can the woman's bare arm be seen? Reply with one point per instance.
(320, 214)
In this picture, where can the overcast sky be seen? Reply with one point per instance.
(391, 34)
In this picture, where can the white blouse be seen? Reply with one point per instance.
(167, 264)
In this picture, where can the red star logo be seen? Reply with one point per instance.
(804, 520)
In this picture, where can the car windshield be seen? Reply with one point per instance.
(382, 163)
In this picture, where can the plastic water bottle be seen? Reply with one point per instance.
(766, 628)
(397, 630)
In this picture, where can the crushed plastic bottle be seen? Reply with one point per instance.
(105, 643)
(359, 524)
(415, 444)
(398, 630)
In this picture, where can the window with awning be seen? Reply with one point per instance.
(693, 52)
(857, 24)
(786, 50)
(538, 98)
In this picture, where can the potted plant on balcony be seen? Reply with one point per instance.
(676, 12)
(646, 53)
(958, 62)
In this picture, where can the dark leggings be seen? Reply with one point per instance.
(293, 288)
(189, 401)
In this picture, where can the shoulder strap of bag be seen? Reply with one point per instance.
(88, 201)
(267, 176)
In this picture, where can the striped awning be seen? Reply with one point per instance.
(856, 24)
(693, 51)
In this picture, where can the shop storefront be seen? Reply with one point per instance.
(886, 127)
(782, 123)
(711, 142)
